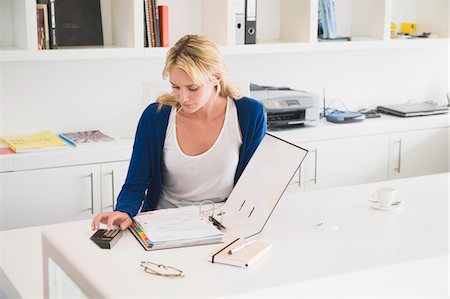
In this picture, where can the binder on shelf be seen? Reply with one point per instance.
(239, 25)
(250, 21)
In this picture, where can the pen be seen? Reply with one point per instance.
(234, 250)
(217, 223)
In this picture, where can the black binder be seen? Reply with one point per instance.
(250, 21)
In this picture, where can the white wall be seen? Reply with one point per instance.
(107, 94)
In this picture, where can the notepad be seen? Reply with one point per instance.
(246, 257)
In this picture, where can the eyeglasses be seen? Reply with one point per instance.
(209, 210)
(161, 270)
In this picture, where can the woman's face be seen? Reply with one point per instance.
(190, 96)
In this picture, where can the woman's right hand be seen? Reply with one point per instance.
(120, 219)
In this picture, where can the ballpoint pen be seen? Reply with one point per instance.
(217, 223)
(234, 250)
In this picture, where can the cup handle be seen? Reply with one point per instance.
(375, 196)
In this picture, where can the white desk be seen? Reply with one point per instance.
(372, 253)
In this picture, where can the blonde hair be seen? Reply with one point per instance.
(200, 58)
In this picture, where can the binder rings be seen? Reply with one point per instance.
(250, 21)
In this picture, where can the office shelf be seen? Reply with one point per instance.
(283, 26)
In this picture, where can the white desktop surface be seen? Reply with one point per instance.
(373, 253)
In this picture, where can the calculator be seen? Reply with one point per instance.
(106, 238)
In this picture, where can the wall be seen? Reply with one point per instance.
(107, 94)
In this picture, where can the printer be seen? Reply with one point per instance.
(286, 107)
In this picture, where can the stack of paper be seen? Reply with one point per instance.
(177, 227)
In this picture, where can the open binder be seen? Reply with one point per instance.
(250, 204)
(261, 186)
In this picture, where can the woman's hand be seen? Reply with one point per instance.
(120, 219)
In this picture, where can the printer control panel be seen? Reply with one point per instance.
(286, 103)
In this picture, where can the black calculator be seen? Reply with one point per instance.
(106, 238)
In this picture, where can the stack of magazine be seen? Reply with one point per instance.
(176, 227)
(85, 138)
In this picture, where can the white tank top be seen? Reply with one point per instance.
(189, 180)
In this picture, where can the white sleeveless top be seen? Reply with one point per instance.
(189, 180)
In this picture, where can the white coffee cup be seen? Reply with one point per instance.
(385, 196)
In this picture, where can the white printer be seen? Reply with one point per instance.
(287, 107)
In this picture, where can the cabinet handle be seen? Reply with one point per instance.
(315, 166)
(92, 193)
(399, 163)
(112, 189)
(300, 176)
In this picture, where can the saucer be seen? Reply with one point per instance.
(393, 206)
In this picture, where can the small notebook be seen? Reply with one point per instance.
(245, 257)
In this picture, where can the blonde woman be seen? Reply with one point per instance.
(193, 144)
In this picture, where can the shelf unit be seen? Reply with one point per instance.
(282, 26)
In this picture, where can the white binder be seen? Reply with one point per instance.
(261, 186)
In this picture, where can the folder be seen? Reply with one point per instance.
(250, 21)
(240, 22)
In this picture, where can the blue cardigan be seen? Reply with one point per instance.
(144, 182)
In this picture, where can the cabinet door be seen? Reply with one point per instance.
(419, 153)
(112, 178)
(346, 161)
(46, 196)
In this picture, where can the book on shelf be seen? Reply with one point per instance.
(163, 11)
(150, 23)
(85, 137)
(49, 15)
(42, 27)
(36, 142)
(147, 33)
(174, 227)
(239, 252)
(78, 22)
(156, 23)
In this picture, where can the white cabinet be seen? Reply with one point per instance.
(113, 176)
(343, 161)
(346, 161)
(419, 153)
(282, 25)
(52, 195)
